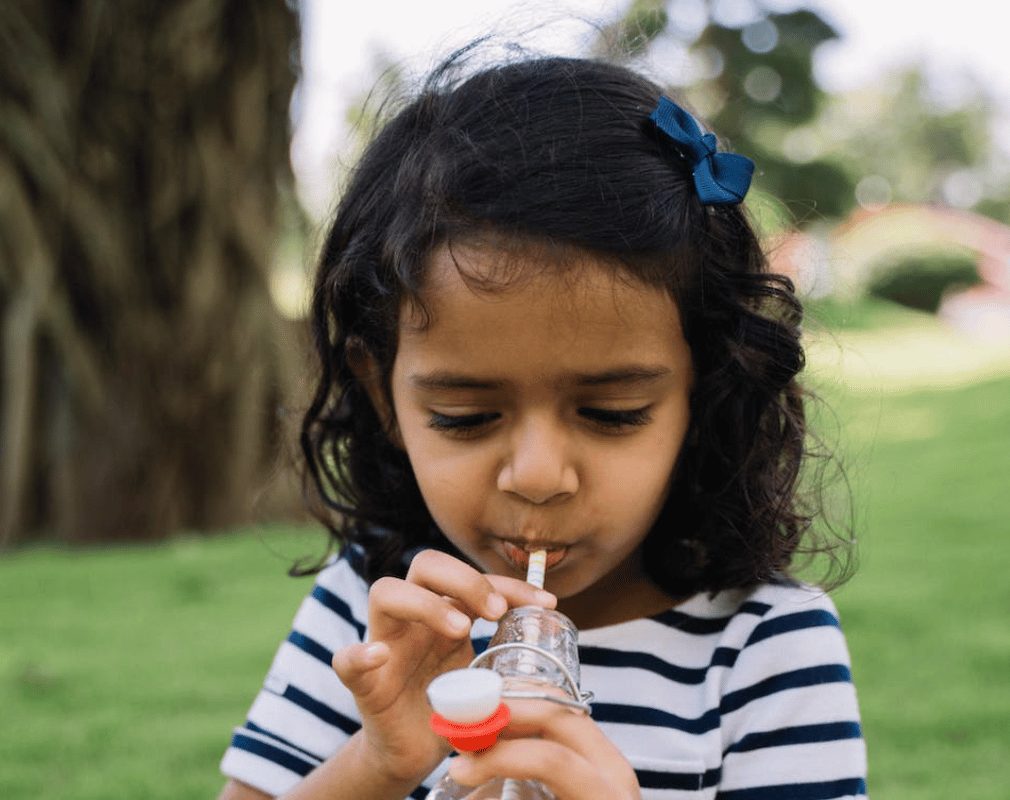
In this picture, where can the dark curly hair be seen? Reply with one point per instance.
(561, 151)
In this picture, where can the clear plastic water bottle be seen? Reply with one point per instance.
(535, 651)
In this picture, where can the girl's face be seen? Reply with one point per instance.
(546, 414)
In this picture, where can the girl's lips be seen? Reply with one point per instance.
(519, 556)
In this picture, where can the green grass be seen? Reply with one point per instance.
(868, 314)
(122, 670)
(926, 614)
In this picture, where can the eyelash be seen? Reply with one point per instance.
(461, 423)
(611, 420)
(630, 418)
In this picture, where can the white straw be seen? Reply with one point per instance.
(537, 569)
(535, 573)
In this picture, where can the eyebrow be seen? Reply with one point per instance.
(629, 375)
(622, 375)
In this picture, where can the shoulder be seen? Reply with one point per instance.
(789, 688)
(788, 708)
(787, 632)
(340, 590)
(782, 609)
(743, 617)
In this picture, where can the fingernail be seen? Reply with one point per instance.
(496, 606)
(458, 767)
(545, 598)
(459, 621)
(373, 652)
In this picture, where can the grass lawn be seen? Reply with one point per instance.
(122, 670)
(926, 612)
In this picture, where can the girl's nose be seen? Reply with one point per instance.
(538, 468)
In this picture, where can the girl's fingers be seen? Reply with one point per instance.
(566, 773)
(520, 593)
(451, 578)
(357, 665)
(487, 596)
(445, 595)
(392, 602)
(539, 719)
(531, 718)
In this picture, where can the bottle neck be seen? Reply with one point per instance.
(536, 647)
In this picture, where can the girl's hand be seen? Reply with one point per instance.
(419, 628)
(564, 750)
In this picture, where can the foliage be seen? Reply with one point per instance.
(924, 150)
(920, 281)
(753, 80)
(767, 91)
(141, 151)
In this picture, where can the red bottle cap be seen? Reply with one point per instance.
(468, 738)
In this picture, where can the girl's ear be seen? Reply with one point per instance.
(368, 373)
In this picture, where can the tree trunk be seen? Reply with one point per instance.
(143, 154)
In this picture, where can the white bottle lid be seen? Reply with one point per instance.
(466, 696)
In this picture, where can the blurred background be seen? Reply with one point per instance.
(166, 172)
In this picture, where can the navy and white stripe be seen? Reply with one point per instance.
(744, 696)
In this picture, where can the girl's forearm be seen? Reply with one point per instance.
(350, 774)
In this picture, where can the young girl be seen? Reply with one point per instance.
(544, 322)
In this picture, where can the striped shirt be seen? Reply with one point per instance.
(743, 696)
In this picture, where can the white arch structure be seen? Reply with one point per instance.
(869, 238)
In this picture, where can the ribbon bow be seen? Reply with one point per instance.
(719, 178)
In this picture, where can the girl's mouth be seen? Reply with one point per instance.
(519, 555)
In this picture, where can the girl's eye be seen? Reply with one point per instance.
(460, 424)
(614, 419)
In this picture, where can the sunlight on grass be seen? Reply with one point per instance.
(877, 346)
(903, 359)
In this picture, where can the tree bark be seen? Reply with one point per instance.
(143, 155)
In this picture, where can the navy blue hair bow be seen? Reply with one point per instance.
(720, 178)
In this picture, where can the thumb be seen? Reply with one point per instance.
(357, 665)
